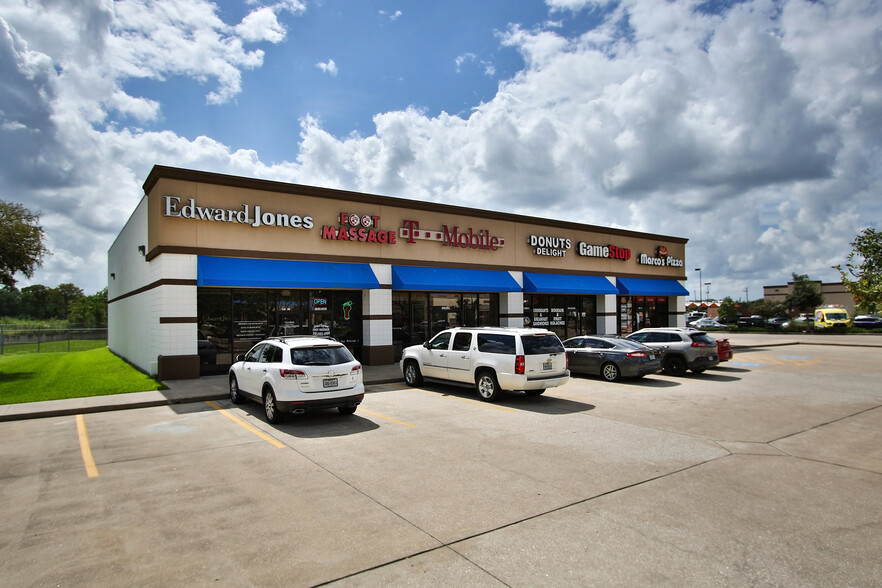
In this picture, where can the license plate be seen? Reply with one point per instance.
(546, 365)
(330, 382)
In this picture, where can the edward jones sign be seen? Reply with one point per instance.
(192, 211)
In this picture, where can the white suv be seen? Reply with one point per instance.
(490, 359)
(297, 374)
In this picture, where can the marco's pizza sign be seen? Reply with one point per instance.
(660, 259)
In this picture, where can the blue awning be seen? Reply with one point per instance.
(442, 279)
(567, 284)
(236, 272)
(642, 287)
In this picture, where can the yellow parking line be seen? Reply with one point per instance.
(479, 403)
(91, 468)
(242, 423)
(379, 416)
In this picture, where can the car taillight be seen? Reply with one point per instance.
(698, 344)
(355, 370)
(293, 374)
(566, 355)
(636, 354)
(520, 364)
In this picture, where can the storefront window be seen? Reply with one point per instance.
(249, 319)
(320, 313)
(214, 324)
(640, 312)
(446, 311)
(347, 326)
(232, 321)
(488, 310)
(418, 316)
(566, 315)
(626, 319)
(290, 313)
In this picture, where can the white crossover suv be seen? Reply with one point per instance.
(491, 359)
(297, 374)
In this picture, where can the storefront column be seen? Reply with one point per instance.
(511, 309)
(377, 319)
(607, 309)
(677, 310)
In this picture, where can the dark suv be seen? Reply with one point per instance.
(683, 348)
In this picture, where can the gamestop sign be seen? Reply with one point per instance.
(605, 251)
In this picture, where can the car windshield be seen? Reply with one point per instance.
(837, 316)
(541, 345)
(320, 356)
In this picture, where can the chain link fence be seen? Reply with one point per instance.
(15, 339)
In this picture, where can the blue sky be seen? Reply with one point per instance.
(753, 128)
(436, 56)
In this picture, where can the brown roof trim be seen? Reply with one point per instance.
(189, 175)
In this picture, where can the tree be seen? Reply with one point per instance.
(89, 311)
(9, 302)
(727, 311)
(864, 279)
(62, 297)
(36, 302)
(21, 242)
(805, 296)
(768, 308)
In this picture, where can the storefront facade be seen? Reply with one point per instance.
(208, 264)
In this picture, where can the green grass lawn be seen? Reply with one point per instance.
(51, 376)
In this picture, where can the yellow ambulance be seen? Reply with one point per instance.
(832, 317)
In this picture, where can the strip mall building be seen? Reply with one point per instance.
(208, 264)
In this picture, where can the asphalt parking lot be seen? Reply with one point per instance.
(764, 472)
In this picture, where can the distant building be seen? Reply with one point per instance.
(833, 293)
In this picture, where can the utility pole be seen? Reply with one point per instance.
(698, 269)
(707, 293)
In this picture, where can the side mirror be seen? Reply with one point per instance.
(240, 358)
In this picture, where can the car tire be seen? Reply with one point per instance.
(610, 372)
(487, 385)
(235, 395)
(347, 409)
(675, 366)
(271, 408)
(412, 374)
(534, 392)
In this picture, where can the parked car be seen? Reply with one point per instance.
(751, 321)
(865, 321)
(724, 350)
(779, 322)
(708, 323)
(683, 348)
(296, 375)
(611, 357)
(694, 316)
(490, 359)
(802, 321)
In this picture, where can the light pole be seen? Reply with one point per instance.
(707, 293)
(698, 269)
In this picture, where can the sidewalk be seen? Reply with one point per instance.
(215, 387)
(177, 392)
